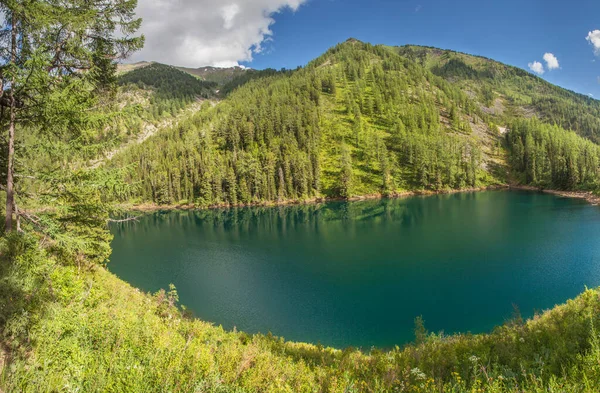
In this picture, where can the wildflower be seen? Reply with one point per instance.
(418, 374)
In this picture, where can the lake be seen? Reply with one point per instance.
(358, 273)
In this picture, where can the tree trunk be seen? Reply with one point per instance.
(10, 192)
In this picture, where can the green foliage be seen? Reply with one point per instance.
(104, 69)
(345, 180)
(46, 47)
(549, 156)
(219, 156)
(217, 75)
(420, 331)
(52, 94)
(521, 91)
(246, 77)
(171, 89)
(281, 137)
(82, 329)
(360, 119)
(168, 82)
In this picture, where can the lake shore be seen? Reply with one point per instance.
(357, 244)
(152, 207)
(589, 196)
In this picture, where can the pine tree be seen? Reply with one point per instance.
(55, 59)
(346, 176)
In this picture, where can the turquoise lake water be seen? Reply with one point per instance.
(358, 273)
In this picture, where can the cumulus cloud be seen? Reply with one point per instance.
(536, 67)
(551, 61)
(196, 33)
(593, 38)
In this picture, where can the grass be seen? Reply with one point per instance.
(84, 330)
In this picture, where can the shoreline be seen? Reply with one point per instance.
(152, 207)
(589, 196)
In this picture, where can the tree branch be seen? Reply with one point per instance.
(124, 219)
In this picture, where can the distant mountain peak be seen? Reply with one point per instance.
(126, 67)
(220, 75)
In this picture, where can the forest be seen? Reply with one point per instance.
(550, 157)
(172, 89)
(521, 91)
(355, 128)
(360, 120)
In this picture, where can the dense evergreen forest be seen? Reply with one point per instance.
(550, 157)
(353, 127)
(363, 120)
(169, 85)
(148, 97)
(217, 75)
(358, 120)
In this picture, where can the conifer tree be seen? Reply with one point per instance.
(56, 57)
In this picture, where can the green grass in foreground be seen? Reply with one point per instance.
(81, 329)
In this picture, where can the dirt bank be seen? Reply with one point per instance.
(587, 195)
(150, 207)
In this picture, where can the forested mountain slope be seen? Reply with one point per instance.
(364, 119)
(511, 91)
(148, 97)
(217, 75)
(172, 89)
(358, 120)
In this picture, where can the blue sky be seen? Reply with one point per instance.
(510, 31)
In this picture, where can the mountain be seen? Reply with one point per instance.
(218, 75)
(363, 120)
(168, 82)
(126, 67)
(503, 88)
(359, 120)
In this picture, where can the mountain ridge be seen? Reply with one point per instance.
(366, 119)
(235, 71)
(358, 120)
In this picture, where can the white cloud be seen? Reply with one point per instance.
(593, 38)
(551, 61)
(536, 67)
(228, 13)
(196, 33)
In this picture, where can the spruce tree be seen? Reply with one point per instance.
(55, 58)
